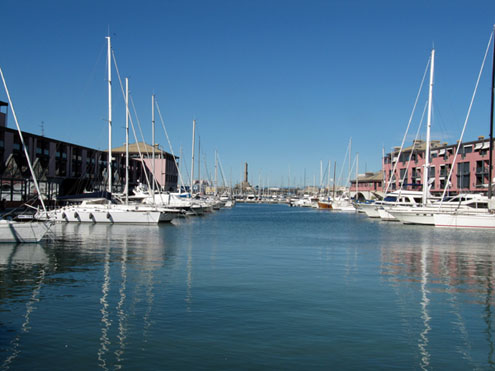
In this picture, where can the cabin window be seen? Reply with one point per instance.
(390, 199)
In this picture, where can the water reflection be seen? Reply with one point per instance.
(31, 260)
(121, 313)
(423, 341)
(445, 267)
(122, 261)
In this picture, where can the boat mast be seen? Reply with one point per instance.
(490, 171)
(321, 176)
(357, 174)
(334, 167)
(153, 145)
(192, 157)
(350, 147)
(199, 163)
(328, 178)
(216, 173)
(22, 142)
(428, 128)
(126, 141)
(109, 160)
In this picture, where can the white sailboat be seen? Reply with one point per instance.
(424, 215)
(106, 209)
(468, 219)
(30, 231)
(411, 199)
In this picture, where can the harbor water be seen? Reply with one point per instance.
(253, 287)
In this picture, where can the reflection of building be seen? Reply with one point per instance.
(64, 168)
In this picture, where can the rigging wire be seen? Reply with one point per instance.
(408, 125)
(466, 121)
(132, 123)
(169, 142)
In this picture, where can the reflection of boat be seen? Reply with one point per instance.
(12, 231)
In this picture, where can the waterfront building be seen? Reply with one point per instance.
(369, 185)
(470, 173)
(64, 168)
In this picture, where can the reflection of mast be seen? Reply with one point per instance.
(15, 343)
(104, 341)
(423, 341)
(149, 302)
(488, 318)
(189, 277)
(120, 311)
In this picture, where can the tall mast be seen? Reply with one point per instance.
(321, 176)
(328, 178)
(126, 141)
(22, 142)
(192, 157)
(490, 161)
(199, 162)
(357, 174)
(334, 167)
(216, 173)
(428, 128)
(109, 160)
(350, 150)
(153, 146)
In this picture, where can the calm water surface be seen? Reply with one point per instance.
(254, 287)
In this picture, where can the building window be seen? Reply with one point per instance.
(463, 175)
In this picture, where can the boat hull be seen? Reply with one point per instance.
(109, 216)
(413, 217)
(466, 221)
(325, 205)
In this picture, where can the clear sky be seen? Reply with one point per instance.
(280, 84)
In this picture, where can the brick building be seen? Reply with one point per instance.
(64, 168)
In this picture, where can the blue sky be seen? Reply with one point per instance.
(276, 83)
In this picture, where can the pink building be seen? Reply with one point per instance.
(370, 186)
(470, 173)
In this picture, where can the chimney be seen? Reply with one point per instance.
(246, 172)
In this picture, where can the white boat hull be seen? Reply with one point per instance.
(111, 215)
(467, 221)
(423, 217)
(370, 210)
(385, 215)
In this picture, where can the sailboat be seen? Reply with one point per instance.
(468, 219)
(414, 200)
(30, 231)
(107, 209)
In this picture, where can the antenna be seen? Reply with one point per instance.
(42, 128)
